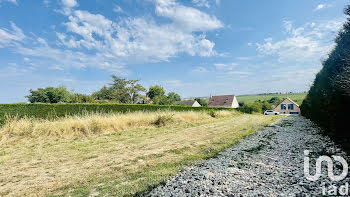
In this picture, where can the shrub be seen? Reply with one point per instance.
(162, 120)
(212, 113)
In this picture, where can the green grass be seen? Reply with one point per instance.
(297, 97)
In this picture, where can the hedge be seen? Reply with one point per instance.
(51, 111)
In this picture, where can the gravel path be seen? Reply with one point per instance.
(267, 163)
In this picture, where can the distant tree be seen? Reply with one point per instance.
(49, 95)
(275, 100)
(104, 93)
(81, 98)
(172, 96)
(154, 91)
(202, 101)
(134, 90)
(120, 90)
(162, 100)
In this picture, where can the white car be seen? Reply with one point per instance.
(271, 112)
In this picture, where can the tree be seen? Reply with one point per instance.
(162, 100)
(135, 89)
(154, 91)
(275, 100)
(172, 96)
(81, 98)
(103, 94)
(120, 90)
(49, 95)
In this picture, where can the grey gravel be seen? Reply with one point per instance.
(267, 163)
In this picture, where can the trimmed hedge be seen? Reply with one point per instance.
(51, 111)
(328, 99)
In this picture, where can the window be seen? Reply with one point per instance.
(291, 106)
(283, 107)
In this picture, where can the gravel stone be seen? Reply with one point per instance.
(269, 162)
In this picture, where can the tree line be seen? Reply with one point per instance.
(328, 100)
(120, 90)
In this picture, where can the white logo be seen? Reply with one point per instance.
(329, 166)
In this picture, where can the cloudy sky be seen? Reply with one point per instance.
(193, 47)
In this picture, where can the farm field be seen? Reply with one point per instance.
(113, 154)
(297, 97)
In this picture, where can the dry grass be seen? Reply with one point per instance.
(128, 155)
(91, 124)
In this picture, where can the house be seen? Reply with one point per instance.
(229, 101)
(288, 106)
(188, 103)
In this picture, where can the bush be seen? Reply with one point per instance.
(162, 120)
(212, 113)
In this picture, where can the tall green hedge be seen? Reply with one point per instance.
(328, 101)
(49, 111)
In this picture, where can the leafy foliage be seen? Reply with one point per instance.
(256, 107)
(328, 99)
(120, 90)
(49, 95)
(155, 91)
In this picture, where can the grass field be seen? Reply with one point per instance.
(297, 97)
(129, 154)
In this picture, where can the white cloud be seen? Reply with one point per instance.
(67, 6)
(141, 39)
(8, 38)
(228, 66)
(92, 40)
(187, 18)
(69, 3)
(201, 3)
(10, 1)
(319, 6)
(308, 43)
(118, 9)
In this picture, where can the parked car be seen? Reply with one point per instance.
(271, 112)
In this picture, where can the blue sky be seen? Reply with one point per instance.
(193, 47)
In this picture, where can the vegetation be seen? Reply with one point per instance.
(52, 111)
(297, 97)
(120, 90)
(327, 101)
(256, 107)
(112, 154)
(157, 94)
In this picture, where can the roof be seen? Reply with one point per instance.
(222, 100)
(288, 100)
(292, 101)
(188, 102)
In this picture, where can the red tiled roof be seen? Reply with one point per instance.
(223, 100)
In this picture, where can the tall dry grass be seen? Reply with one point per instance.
(92, 124)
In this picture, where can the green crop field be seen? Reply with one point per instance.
(297, 97)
